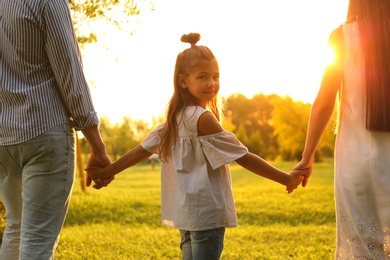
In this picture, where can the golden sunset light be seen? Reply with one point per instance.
(262, 46)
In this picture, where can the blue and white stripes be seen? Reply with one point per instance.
(42, 83)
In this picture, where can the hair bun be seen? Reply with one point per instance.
(191, 38)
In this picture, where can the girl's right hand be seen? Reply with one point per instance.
(295, 180)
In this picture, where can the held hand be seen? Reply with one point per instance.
(300, 174)
(99, 183)
(100, 177)
(303, 168)
(295, 180)
(97, 161)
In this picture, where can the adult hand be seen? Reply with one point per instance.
(99, 157)
(98, 161)
(303, 168)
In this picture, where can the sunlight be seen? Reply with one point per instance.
(266, 49)
(329, 56)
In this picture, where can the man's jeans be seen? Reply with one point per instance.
(201, 245)
(36, 179)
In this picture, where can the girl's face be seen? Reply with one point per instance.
(202, 82)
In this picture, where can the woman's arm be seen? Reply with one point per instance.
(323, 106)
(321, 111)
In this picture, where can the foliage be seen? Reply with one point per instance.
(290, 119)
(252, 119)
(113, 13)
(123, 220)
(274, 127)
(290, 125)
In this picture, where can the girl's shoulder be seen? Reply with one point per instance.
(208, 124)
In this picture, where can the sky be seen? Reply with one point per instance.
(262, 46)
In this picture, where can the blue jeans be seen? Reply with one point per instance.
(36, 179)
(202, 245)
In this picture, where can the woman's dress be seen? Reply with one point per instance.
(362, 167)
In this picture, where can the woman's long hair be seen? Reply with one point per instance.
(373, 17)
(186, 61)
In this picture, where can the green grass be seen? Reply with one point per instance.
(122, 221)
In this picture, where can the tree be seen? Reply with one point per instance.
(253, 118)
(119, 14)
(290, 125)
(290, 120)
(122, 136)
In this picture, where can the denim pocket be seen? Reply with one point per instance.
(38, 155)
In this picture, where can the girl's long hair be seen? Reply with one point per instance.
(373, 17)
(186, 61)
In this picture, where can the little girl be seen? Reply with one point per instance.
(196, 188)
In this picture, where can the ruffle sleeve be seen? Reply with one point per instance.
(222, 148)
(151, 143)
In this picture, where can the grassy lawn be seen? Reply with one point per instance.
(122, 221)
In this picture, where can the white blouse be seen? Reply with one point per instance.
(196, 186)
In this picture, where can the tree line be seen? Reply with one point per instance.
(271, 126)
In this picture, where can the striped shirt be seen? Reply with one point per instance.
(42, 83)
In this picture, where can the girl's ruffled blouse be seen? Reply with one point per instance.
(196, 189)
